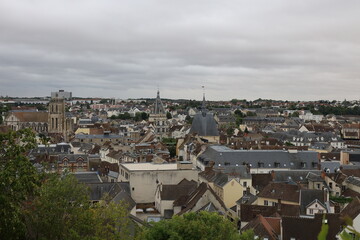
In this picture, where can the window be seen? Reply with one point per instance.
(318, 186)
(266, 202)
(245, 184)
(331, 185)
(311, 211)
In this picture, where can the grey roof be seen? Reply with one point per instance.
(308, 196)
(51, 149)
(158, 106)
(259, 158)
(353, 180)
(204, 124)
(72, 158)
(331, 166)
(117, 191)
(87, 177)
(314, 177)
(293, 175)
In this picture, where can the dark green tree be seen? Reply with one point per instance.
(202, 225)
(18, 182)
(168, 115)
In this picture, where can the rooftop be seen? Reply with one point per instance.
(149, 166)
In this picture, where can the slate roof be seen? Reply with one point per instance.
(204, 124)
(265, 227)
(291, 227)
(88, 177)
(248, 212)
(173, 192)
(353, 180)
(190, 200)
(282, 191)
(352, 210)
(259, 158)
(308, 196)
(293, 175)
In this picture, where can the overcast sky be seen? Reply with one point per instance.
(279, 49)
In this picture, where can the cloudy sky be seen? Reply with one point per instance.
(279, 49)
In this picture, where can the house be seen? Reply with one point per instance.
(229, 186)
(145, 177)
(352, 211)
(351, 131)
(267, 228)
(259, 161)
(305, 228)
(167, 194)
(203, 198)
(279, 193)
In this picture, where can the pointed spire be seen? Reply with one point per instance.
(203, 106)
(158, 106)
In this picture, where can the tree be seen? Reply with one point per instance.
(60, 211)
(202, 225)
(19, 181)
(168, 115)
(188, 119)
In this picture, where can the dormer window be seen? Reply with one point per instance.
(276, 164)
(260, 164)
(303, 164)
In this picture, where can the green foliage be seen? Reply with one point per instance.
(168, 115)
(188, 119)
(59, 211)
(19, 181)
(48, 206)
(139, 116)
(171, 145)
(340, 199)
(250, 114)
(324, 230)
(202, 225)
(349, 233)
(230, 131)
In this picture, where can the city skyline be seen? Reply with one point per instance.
(246, 50)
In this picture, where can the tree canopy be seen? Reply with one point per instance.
(195, 226)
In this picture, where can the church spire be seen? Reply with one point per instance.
(158, 106)
(203, 106)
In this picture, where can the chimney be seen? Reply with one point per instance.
(272, 175)
(279, 205)
(323, 174)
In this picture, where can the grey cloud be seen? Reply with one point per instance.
(237, 49)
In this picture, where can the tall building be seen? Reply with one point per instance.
(58, 123)
(205, 125)
(158, 118)
(62, 94)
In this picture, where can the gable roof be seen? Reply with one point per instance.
(175, 191)
(352, 210)
(291, 226)
(281, 191)
(31, 116)
(265, 227)
(194, 197)
(308, 196)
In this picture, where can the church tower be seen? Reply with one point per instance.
(158, 118)
(58, 123)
